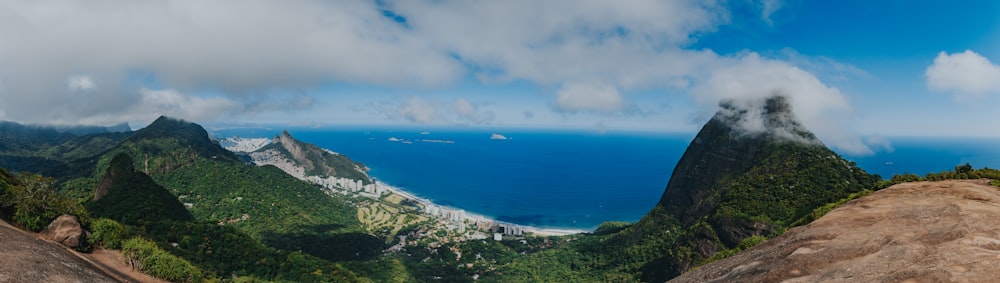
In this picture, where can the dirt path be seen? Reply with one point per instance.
(112, 262)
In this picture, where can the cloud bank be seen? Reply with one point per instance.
(107, 61)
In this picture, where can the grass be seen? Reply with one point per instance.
(387, 219)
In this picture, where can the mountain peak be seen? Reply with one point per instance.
(314, 160)
(169, 143)
(768, 117)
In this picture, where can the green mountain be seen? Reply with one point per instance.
(315, 160)
(168, 144)
(53, 149)
(132, 197)
(734, 187)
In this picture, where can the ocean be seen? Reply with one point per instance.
(568, 179)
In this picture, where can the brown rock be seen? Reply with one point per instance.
(914, 232)
(66, 230)
(24, 258)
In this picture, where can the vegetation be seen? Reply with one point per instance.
(961, 172)
(31, 201)
(108, 233)
(317, 161)
(132, 197)
(144, 255)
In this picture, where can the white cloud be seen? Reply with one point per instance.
(589, 96)
(768, 7)
(964, 74)
(592, 52)
(468, 112)
(237, 47)
(753, 78)
(168, 102)
(80, 83)
(420, 111)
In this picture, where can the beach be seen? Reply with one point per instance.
(476, 218)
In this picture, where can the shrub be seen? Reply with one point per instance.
(145, 256)
(107, 233)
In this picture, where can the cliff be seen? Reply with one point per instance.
(302, 159)
(913, 232)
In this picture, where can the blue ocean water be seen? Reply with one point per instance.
(546, 179)
(924, 155)
(565, 179)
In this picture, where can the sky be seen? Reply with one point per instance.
(855, 72)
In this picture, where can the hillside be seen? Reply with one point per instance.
(290, 155)
(217, 187)
(132, 197)
(913, 232)
(732, 188)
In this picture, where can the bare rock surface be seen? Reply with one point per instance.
(66, 230)
(24, 258)
(947, 231)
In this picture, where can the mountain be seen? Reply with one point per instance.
(132, 197)
(750, 173)
(248, 220)
(913, 232)
(290, 154)
(51, 149)
(168, 144)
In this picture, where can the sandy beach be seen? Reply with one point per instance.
(471, 216)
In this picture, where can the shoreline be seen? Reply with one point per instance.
(475, 217)
(445, 213)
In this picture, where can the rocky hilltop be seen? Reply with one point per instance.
(913, 232)
(29, 259)
(302, 159)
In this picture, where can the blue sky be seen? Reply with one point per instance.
(855, 70)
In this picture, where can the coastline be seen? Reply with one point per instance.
(437, 211)
(474, 217)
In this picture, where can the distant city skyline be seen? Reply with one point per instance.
(855, 70)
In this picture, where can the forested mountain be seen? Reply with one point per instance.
(734, 185)
(52, 149)
(733, 188)
(132, 197)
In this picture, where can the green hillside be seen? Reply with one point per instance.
(132, 197)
